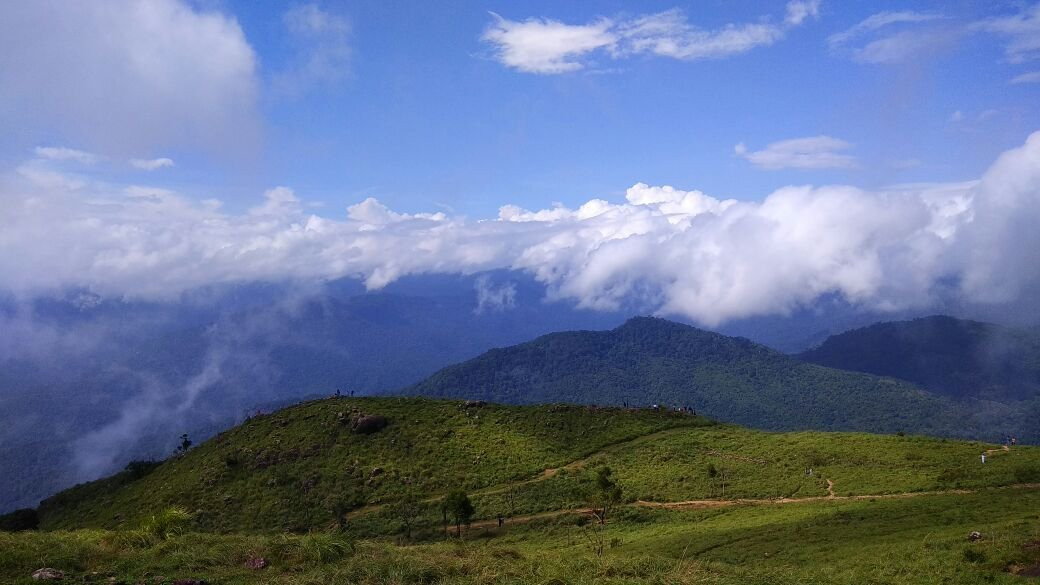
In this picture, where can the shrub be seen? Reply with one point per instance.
(19, 520)
(172, 521)
(974, 556)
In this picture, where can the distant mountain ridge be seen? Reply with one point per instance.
(954, 357)
(650, 360)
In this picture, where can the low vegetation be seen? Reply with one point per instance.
(468, 492)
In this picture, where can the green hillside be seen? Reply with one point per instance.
(306, 467)
(647, 361)
(954, 357)
(701, 502)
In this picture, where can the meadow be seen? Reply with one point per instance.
(700, 502)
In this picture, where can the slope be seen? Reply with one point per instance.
(308, 467)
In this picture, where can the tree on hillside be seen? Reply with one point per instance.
(184, 445)
(603, 493)
(408, 510)
(459, 508)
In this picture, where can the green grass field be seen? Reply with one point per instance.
(702, 503)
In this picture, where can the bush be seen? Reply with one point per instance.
(974, 556)
(19, 520)
(172, 521)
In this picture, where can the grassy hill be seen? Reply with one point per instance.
(702, 502)
(649, 360)
(305, 467)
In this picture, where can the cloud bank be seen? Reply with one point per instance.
(678, 252)
(123, 77)
(548, 46)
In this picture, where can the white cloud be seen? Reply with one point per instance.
(150, 164)
(679, 252)
(549, 47)
(546, 46)
(61, 153)
(921, 33)
(321, 41)
(799, 10)
(124, 77)
(1021, 33)
(878, 21)
(957, 116)
(815, 152)
(873, 40)
(1031, 77)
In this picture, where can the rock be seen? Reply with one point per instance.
(189, 582)
(369, 424)
(255, 563)
(48, 574)
(975, 536)
(474, 404)
(376, 471)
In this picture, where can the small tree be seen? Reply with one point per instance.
(184, 445)
(408, 510)
(458, 506)
(604, 494)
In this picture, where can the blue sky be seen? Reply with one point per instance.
(722, 159)
(427, 117)
(421, 115)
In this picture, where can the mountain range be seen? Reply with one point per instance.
(88, 384)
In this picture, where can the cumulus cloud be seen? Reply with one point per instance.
(815, 152)
(675, 251)
(123, 77)
(549, 47)
(150, 164)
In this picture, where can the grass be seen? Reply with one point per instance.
(298, 488)
(900, 541)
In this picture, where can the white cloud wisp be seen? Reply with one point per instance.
(815, 152)
(548, 46)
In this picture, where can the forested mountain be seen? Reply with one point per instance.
(649, 360)
(953, 357)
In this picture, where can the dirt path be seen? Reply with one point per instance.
(544, 475)
(583, 461)
(695, 504)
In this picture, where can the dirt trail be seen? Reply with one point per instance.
(544, 475)
(581, 462)
(695, 504)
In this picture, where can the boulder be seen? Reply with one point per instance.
(975, 536)
(48, 574)
(369, 424)
(376, 471)
(474, 404)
